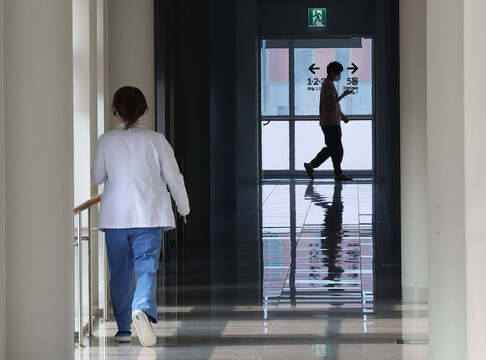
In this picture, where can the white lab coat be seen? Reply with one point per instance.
(136, 166)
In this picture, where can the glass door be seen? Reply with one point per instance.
(292, 72)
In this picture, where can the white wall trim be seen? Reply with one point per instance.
(2, 199)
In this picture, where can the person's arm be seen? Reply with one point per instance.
(330, 96)
(174, 178)
(344, 118)
(344, 94)
(98, 170)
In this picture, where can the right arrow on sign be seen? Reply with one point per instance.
(354, 68)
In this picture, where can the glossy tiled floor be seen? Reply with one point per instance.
(316, 291)
(318, 252)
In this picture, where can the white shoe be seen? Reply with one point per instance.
(145, 331)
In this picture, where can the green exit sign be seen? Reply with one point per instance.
(317, 18)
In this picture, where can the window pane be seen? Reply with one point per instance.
(275, 145)
(275, 82)
(357, 143)
(308, 85)
(360, 103)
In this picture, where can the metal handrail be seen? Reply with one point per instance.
(77, 242)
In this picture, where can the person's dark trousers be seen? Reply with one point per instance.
(334, 149)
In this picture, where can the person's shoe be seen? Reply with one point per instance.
(310, 170)
(145, 331)
(123, 336)
(343, 177)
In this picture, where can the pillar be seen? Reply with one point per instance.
(475, 173)
(456, 169)
(413, 162)
(38, 131)
(413, 146)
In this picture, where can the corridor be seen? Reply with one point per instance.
(316, 286)
(386, 267)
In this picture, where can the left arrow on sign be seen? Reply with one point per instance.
(313, 67)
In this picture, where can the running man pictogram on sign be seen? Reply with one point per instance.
(317, 18)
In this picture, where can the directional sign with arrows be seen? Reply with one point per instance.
(313, 68)
(354, 68)
(352, 82)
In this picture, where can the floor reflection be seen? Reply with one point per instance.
(318, 252)
(296, 283)
(331, 235)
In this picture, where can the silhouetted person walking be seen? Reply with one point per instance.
(330, 117)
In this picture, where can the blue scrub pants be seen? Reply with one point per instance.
(133, 252)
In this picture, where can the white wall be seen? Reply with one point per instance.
(446, 173)
(131, 52)
(454, 168)
(38, 130)
(475, 173)
(413, 149)
(2, 200)
(413, 161)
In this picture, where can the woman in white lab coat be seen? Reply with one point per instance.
(136, 165)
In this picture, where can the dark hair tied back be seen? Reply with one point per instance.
(130, 104)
